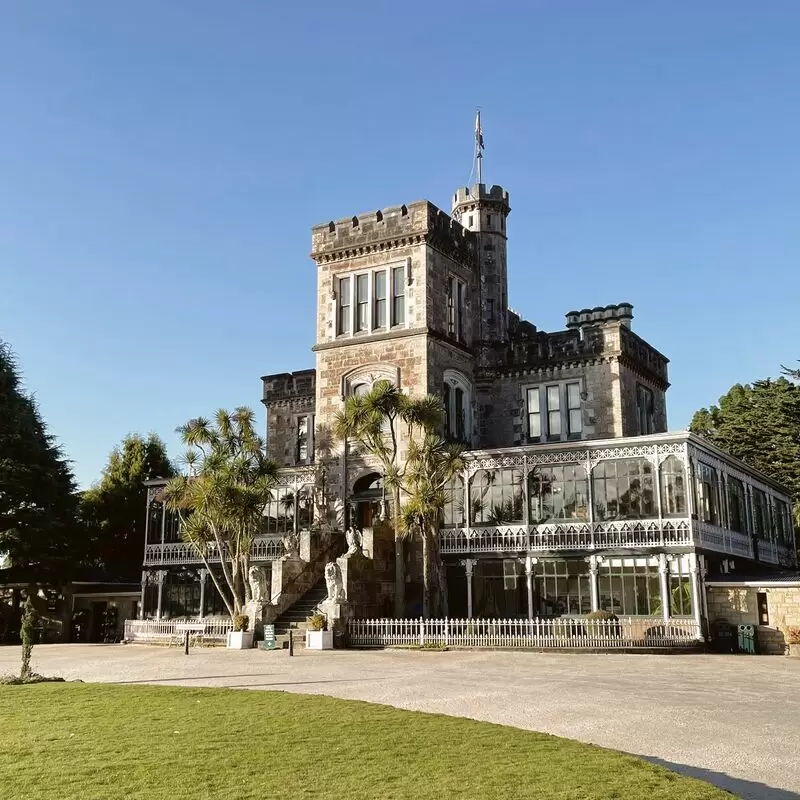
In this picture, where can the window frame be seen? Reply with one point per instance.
(566, 414)
(360, 316)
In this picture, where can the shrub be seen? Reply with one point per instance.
(240, 622)
(793, 634)
(317, 621)
(28, 623)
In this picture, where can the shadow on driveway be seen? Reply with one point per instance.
(749, 790)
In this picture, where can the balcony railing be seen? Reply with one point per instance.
(265, 548)
(567, 536)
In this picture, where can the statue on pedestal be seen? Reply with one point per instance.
(354, 541)
(333, 582)
(291, 545)
(258, 584)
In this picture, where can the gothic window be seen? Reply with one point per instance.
(364, 300)
(496, 496)
(673, 487)
(558, 493)
(305, 433)
(555, 412)
(455, 308)
(623, 489)
(760, 515)
(646, 410)
(736, 505)
(783, 528)
(278, 516)
(457, 402)
(707, 494)
(380, 300)
(343, 309)
(398, 296)
(454, 503)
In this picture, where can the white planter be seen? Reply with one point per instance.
(319, 640)
(240, 640)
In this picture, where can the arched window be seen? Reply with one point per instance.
(279, 511)
(454, 503)
(457, 402)
(558, 492)
(673, 487)
(496, 496)
(623, 489)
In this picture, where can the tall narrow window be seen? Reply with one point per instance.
(646, 408)
(737, 505)
(574, 416)
(379, 320)
(459, 410)
(451, 306)
(489, 309)
(460, 311)
(302, 438)
(553, 411)
(534, 414)
(362, 302)
(398, 296)
(343, 315)
(673, 487)
(448, 423)
(707, 486)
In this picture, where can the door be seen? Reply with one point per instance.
(98, 617)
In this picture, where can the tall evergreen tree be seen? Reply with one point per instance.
(39, 531)
(114, 510)
(759, 423)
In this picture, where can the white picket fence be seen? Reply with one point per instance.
(625, 633)
(164, 631)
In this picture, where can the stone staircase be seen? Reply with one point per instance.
(294, 618)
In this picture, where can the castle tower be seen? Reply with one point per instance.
(485, 211)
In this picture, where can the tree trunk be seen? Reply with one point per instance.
(399, 559)
(426, 571)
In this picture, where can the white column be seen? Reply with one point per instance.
(141, 602)
(594, 587)
(469, 565)
(161, 574)
(529, 562)
(203, 579)
(664, 583)
(694, 571)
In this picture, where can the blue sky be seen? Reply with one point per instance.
(161, 165)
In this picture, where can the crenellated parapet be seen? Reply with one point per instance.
(394, 227)
(289, 387)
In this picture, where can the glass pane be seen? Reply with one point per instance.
(575, 422)
(553, 403)
(554, 423)
(380, 299)
(535, 425)
(573, 395)
(398, 296)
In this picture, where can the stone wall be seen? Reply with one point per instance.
(739, 606)
(287, 397)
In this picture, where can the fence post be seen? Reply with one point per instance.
(421, 632)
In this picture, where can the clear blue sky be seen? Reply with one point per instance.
(161, 165)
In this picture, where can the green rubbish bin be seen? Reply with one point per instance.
(747, 639)
(722, 638)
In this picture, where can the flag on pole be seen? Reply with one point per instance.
(478, 133)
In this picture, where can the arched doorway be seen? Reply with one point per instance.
(367, 500)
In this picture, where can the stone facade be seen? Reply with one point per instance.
(453, 325)
(738, 604)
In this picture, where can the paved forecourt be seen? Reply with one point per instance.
(734, 721)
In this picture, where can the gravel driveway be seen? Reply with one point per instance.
(733, 721)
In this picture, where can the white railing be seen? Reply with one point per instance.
(265, 548)
(566, 536)
(164, 631)
(721, 539)
(626, 632)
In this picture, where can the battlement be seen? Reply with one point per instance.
(289, 385)
(402, 224)
(479, 192)
(621, 312)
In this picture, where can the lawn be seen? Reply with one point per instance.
(75, 741)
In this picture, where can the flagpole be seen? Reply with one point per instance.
(479, 146)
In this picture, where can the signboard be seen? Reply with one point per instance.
(269, 637)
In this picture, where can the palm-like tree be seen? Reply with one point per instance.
(380, 421)
(221, 497)
(431, 465)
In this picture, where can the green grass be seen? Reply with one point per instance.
(99, 742)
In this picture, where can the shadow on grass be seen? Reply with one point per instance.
(749, 790)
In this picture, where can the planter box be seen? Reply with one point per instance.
(240, 640)
(319, 640)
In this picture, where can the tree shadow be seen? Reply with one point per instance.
(749, 790)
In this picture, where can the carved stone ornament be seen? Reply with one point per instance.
(333, 581)
(291, 545)
(354, 540)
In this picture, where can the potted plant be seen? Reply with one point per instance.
(317, 638)
(793, 640)
(240, 638)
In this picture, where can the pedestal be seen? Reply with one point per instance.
(255, 613)
(337, 613)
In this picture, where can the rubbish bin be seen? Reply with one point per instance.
(747, 639)
(722, 637)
